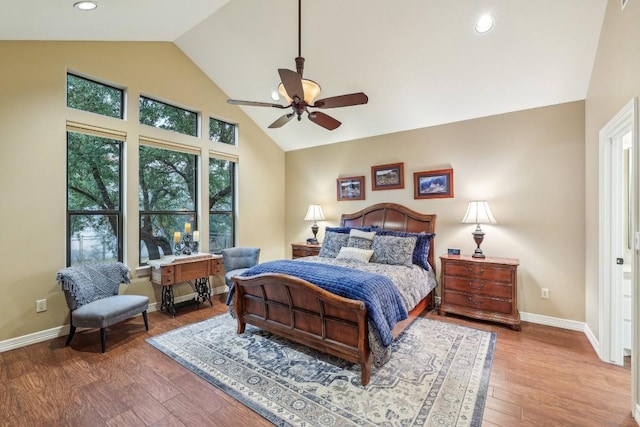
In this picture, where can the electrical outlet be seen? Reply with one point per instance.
(544, 293)
(41, 305)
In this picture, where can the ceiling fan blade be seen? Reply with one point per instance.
(324, 120)
(254, 103)
(292, 83)
(342, 100)
(281, 121)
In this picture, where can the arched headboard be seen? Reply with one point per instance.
(392, 216)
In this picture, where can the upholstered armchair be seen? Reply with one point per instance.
(237, 260)
(91, 292)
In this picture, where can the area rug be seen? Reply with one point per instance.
(438, 375)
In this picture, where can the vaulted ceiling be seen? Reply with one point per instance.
(421, 62)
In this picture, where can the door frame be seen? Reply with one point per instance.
(610, 291)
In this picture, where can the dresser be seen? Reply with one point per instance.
(303, 249)
(482, 288)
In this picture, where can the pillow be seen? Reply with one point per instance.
(393, 250)
(423, 245)
(355, 254)
(348, 229)
(360, 239)
(332, 243)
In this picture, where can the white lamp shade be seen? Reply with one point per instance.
(314, 213)
(478, 212)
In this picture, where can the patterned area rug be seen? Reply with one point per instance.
(437, 376)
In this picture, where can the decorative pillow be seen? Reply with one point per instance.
(423, 245)
(348, 229)
(332, 243)
(393, 250)
(360, 239)
(355, 254)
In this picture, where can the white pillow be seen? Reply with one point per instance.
(355, 254)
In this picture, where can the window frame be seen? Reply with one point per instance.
(94, 81)
(233, 211)
(235, 132)
(195, 113)
(103, 212)
(193, 213)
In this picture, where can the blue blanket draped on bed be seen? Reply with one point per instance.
(381, 297)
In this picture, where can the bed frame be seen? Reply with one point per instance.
(302, 312)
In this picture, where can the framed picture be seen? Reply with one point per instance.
(350, 188)
(433, 184)
(387, 177)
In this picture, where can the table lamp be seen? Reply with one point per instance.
(478, 212)
(314, 213)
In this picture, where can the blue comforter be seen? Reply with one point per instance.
(381, 297)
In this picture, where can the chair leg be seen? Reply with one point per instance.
(146, 320)
(103, 339)
(72, 330)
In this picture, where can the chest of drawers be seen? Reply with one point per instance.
(482, 288)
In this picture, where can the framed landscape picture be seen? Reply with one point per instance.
(350, 188)
(387, 177)
(433, 184)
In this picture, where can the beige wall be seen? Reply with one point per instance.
(33, 114)
(615, 80)
(529, 165)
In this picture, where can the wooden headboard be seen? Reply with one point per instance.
(392, 216)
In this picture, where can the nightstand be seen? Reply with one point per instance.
(303, 249)
(482, 288)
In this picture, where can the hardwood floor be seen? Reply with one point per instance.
(541, 376)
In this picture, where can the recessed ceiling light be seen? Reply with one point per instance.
(85, 5)
(484, 24)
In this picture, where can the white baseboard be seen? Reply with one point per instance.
(61, 331)
(572, 325)
(636, 414)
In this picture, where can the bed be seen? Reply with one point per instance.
(304, 312)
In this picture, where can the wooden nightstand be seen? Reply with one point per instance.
(482, 288)
(303, 249)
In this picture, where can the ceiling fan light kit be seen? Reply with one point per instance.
(301, 93)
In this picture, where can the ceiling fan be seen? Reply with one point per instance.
(301, 94)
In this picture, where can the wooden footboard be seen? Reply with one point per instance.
(298, 310)
(303, 312)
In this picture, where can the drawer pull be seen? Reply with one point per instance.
(477, 285)
(474, 271)
(475, 302)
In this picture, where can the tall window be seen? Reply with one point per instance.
(89, 95)
(94, 199)
(221, 204)
(222, 131)
(164, 116)
(167, 199)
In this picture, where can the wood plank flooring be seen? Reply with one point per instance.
(541, 376)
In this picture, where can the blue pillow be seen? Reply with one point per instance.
(423, 244)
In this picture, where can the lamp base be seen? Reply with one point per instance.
(478, 253)
(478, 236)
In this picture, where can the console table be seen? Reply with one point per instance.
(193, 269)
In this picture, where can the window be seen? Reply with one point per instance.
(165, 116)
(167, 199)
(222, 131)
(94, 199)
(88, 95)
(221, 204)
